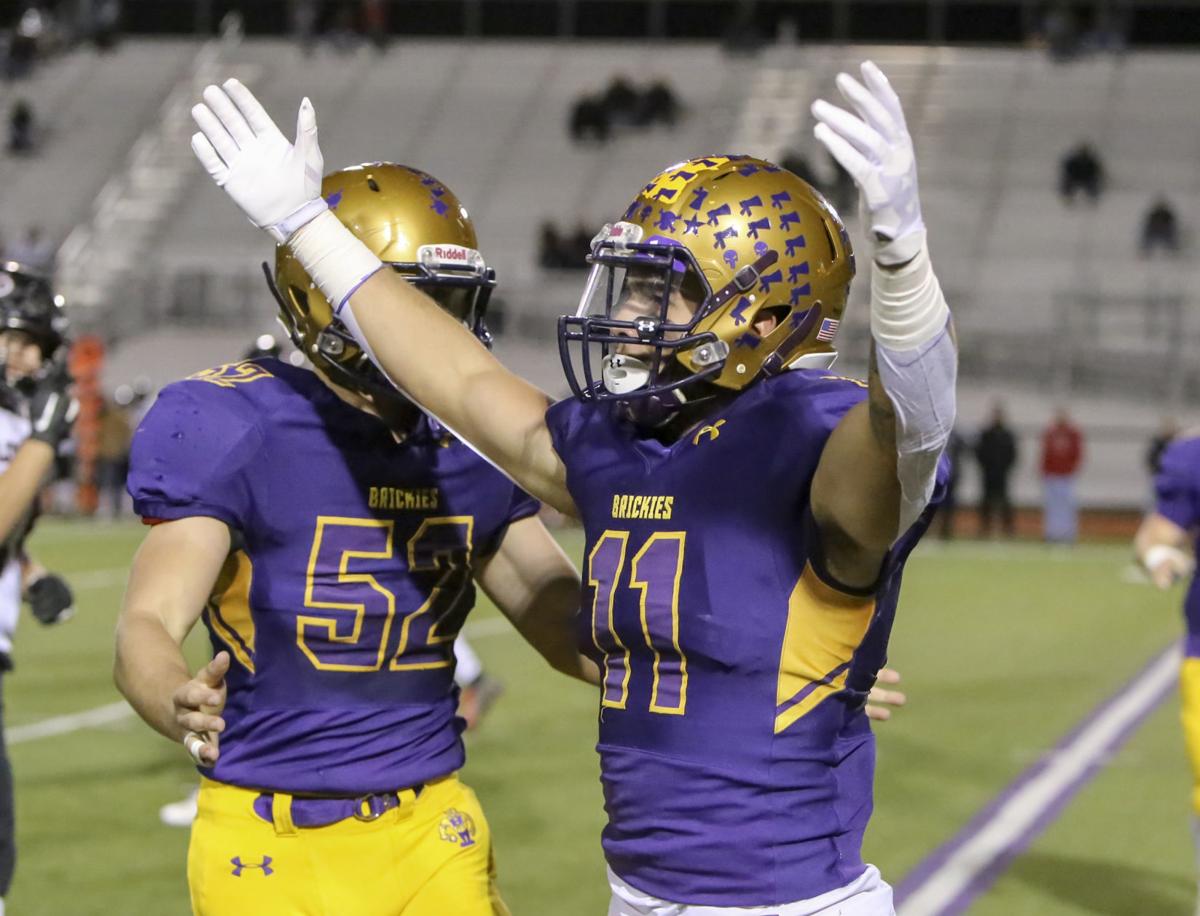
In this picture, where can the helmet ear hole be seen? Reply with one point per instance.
(780, 314)
(300, 297)
(833, 252)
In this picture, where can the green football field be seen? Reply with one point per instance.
(1003, 649)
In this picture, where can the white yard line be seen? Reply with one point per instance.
(116, 712)
(72, 722)
(1016, 821)
(98, 578)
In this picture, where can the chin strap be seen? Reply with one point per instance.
(774, 363)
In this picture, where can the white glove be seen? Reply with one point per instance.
(877, 151)
(277, 184)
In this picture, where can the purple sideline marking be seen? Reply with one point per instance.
(989, 868)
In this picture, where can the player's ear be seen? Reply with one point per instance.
(766, 321)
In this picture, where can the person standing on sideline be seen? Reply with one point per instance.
(997, 455)
(1062, 455)
(956, 449)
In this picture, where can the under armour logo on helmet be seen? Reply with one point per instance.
(239, 866)
(711, 431)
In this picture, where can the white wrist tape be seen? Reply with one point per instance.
(194, 741)
(918, 367)
(907, 305)
(338, 262)
(1165, 553)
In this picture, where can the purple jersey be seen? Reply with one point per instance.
(1177, 491)
(350, 577)
(736, 758)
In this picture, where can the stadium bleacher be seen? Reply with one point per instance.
(1051, 297)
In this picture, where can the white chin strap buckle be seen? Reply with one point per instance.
(624, 374)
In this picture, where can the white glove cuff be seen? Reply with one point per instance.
(290, 224)
(907, 305)
(338, 262)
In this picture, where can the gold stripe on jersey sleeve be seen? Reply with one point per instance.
(824, 628)
(229, 608)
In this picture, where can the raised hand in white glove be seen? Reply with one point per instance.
(875, 148)
(276, 183)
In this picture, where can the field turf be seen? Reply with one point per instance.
(1003, 648)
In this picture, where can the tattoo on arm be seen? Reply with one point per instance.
(880, 409)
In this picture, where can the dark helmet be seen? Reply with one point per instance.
(28, 303)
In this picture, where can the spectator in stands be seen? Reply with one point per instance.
(344, 36)
(375, 23)
(1160, 229)
(23, 45)
(550, 247)
(112, 455)
(955, 452)
(579, 246)
(1061, 32)
(743, 36)
(1081, 170)
(107, 20)
(1110, 28)
(1167, 431)
(842, 193)
(21, 128)
(1062, 455)
(797, 163)
(589, 120)
(621, 101)
(559, 250)
(996, 452)
(659, 105)
(34, 251)
(304, 24)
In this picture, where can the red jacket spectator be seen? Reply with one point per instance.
(1062, 447)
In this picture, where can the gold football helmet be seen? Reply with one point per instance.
(734, 239)
(418, 228)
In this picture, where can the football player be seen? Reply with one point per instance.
(330, 536)
(36, 412)
(1166, 547)
(747, 512)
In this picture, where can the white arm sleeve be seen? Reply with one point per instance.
(918, 367)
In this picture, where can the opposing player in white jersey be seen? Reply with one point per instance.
(36, 412)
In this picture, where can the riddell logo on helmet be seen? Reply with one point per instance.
(456, 254)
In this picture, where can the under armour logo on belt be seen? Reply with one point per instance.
(239, 866)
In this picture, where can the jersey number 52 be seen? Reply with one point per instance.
(357, 619)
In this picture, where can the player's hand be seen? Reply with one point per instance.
(1167, 565)
(875, 148)
(198, 707)
(50, 598)
(276, 183)
(52, 409)
(881, 700)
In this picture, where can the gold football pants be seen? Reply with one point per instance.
(431, 856)
(1189, 690)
